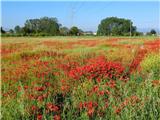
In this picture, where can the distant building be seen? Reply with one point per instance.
(95, 33)
(88, 33)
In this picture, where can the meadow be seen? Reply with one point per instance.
(80, 78)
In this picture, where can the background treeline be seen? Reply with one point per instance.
(45, 26)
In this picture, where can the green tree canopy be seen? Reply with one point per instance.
(74, 30)
(46, 25)
(11, 31)
(153, 31)
(18, 29)
(64, 31)
(2, 31)
(116, 26)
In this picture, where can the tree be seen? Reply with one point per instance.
(74, 31)
(116, 26)
(18, 29)
(138, 34)
(80, 31)
(2, 31)
(153, 32)
(11, 31)
(64, 31)
(25, 31)
(45, 25)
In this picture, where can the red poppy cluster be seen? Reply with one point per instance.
(89, 106)
(49, 108)
(52, 107)
(98, 69)
(136, 61)
(152, 46)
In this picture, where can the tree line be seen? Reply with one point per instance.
(45, 26)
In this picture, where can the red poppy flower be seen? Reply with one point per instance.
(57, 117)
(52, 107)
(90, 112)
(39, 117)
(118, 110)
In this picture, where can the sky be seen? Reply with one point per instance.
(85, 15)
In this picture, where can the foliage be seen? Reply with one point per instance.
(74, 31)
(116, 26)
(64, 31)
(11, 31)
(43, 25)
(152, 32)
(2, 31)
(49, 26)
(18, 29)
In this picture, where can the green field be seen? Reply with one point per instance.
(80, 78)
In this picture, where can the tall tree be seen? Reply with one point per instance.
(153, 32)
(2, 31)
(11, 31)
(116, 26)
(44, 25)
(74, 31)
(64, 31)
(17, 29)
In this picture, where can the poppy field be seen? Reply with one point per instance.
(80, 78)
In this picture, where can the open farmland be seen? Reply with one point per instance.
(80, 78)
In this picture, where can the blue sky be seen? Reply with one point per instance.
(85, 15)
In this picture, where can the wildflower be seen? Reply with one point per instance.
(108, 92)
(112, 84)
(106, 104)
(80, 105)
(90, 112)
(52, 107)
(101, 93)
(31, 97)
(90, 105)
(25, 87)
(62, 81)
(155, 82)
(97, 70)
(95, 88)
(45, 95)
(134, 99)
(34, 108)
(98, 80)
(57, 117)
(118, 110)
(39, 117)
(19, 88)
(39, 88)
(47, 84)
(40, 98)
